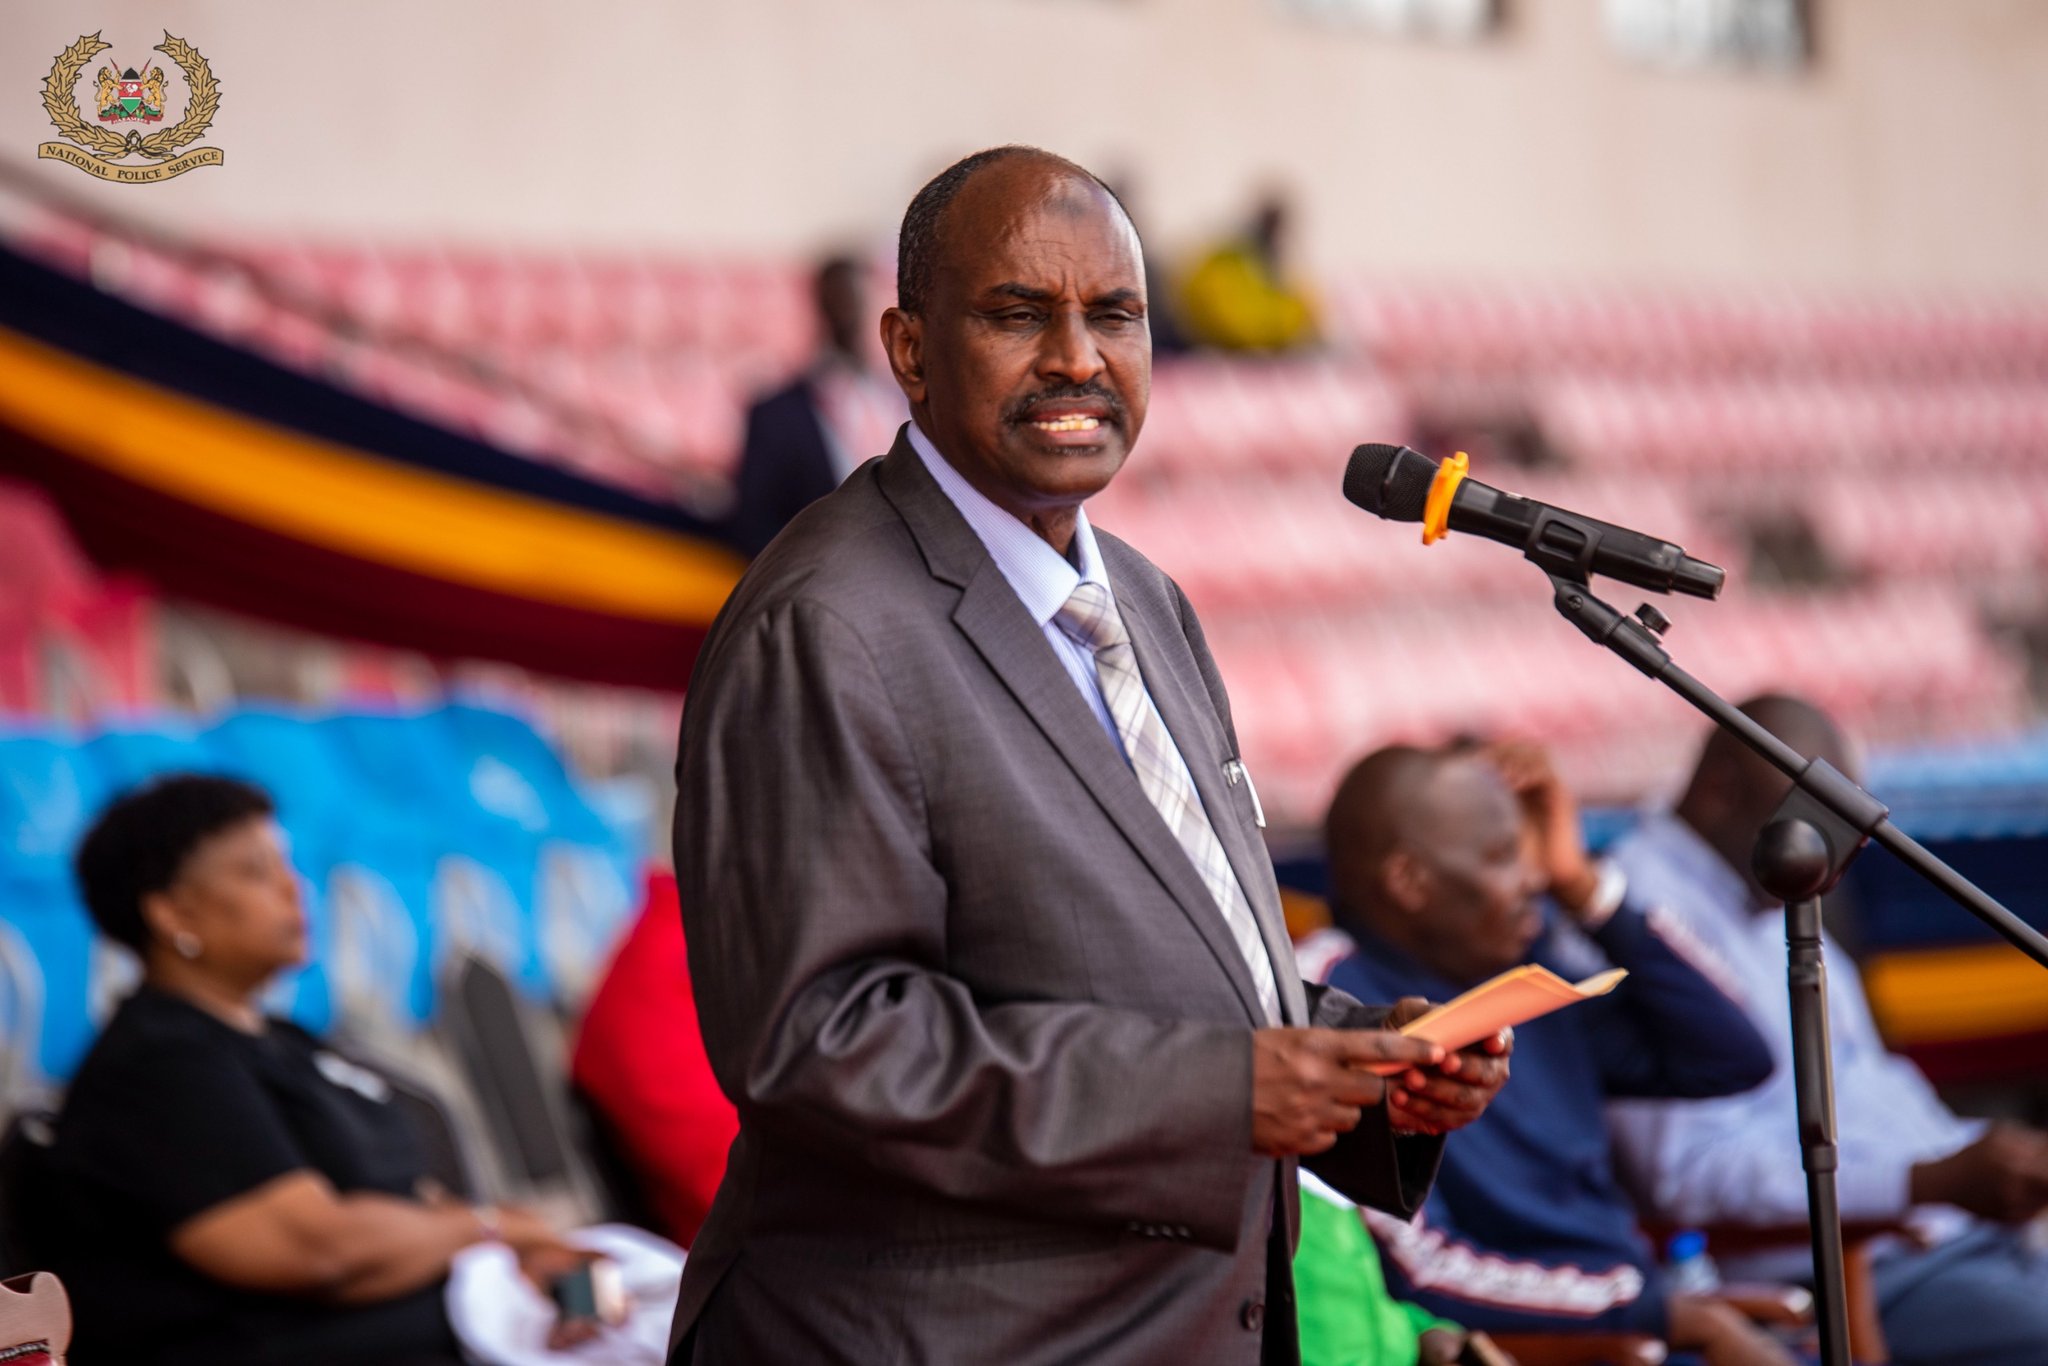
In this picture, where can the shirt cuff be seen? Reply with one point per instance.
(1876, 1186)
(1609, 889)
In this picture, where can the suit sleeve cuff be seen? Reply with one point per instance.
(1380, 1169)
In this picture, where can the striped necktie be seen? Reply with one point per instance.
(1091, 619)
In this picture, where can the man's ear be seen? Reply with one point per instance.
(903, 343)
(1407, 881)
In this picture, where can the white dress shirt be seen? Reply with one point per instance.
(1042, 578)
(1737, 1159)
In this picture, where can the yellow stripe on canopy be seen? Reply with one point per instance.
(354, 502)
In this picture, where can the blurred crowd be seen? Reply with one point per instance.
(221, 1184)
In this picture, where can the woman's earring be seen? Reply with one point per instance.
(186, 943)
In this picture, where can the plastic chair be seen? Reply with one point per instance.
(127, 757)
(1581, 1349)
(24, 1148)
(516, 1064)
(49, 792)
(293, 759)
(380, 964)
(510, 771)
(21, 1022)
(51, 954)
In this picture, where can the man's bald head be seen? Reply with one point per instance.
(921, 244)
(1373, 813)
(1794, 720)
(1733, 791)
(1426, 852)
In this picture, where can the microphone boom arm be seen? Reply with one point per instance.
(1834, 793)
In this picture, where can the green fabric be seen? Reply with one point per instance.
(1347, 1316)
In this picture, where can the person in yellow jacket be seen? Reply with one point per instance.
(1239, 296)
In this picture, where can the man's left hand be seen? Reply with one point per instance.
(1436, 1100)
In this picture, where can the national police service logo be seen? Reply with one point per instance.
(129, 100)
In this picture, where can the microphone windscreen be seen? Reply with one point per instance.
(1389, 481)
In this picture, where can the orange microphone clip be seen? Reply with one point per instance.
(1436, 513)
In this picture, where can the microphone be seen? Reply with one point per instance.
(1402, 485)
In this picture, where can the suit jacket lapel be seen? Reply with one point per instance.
(1184, 705)
(1015, 648)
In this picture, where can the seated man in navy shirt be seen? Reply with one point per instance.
(1438, 866)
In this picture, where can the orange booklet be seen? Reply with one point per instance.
(1515, 997)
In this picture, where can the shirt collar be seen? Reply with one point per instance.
(1042, 578)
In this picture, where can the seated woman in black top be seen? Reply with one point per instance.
(223, 1189)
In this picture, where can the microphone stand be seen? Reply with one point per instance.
(1800, 855)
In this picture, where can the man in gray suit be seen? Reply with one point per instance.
(987, 948)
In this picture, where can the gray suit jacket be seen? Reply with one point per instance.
(988, 1034)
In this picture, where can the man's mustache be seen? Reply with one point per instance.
(1023, 409)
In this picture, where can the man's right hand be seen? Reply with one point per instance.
(2003, 1176)
(1309, 1086)
(1720, 1334)
(1552, 814)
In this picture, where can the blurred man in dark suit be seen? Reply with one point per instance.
(804, 438)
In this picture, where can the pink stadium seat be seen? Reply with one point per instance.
(331, 273)
(20, 671)
(152, 278)
(114, 633)
(516, 423)
(627, 296)
(290, 338)
(51, 598)
(41, 569)
(56, 238)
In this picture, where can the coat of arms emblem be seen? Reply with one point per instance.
(131, 95)
(127, 100)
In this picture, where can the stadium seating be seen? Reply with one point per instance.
(1750, 426)
(420, 837)
(1500, 326)
(1719, 419)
